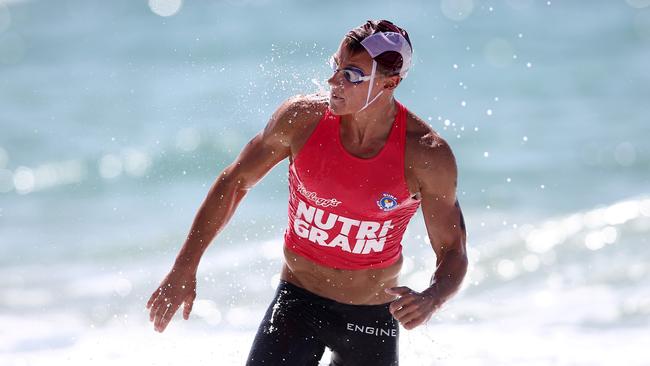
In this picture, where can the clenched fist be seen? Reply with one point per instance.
(412, 308)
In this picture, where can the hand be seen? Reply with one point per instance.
(178, 287)
(412, 308)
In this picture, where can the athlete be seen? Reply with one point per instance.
(360, 165)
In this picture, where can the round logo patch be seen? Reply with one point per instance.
(387, 202)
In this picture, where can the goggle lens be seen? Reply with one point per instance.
(352, 75)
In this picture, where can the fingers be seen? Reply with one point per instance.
(400, 303)
(154, 308)
(398, 291)
(158, 313)
(409, 313)
(157, 299)
(158, 308)
(152, 313)
(168, 298)
(158, 317)
(188, 306)
(163, 310)
(411, 309)
(152, 298)
(419, 320)
(412, 318)
(152, 304)
(165, 316)
(186, 310)
(401, 312)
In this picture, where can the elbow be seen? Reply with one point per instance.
(231, 178)
(454, 258)
(461, 262)
(462, 252)
(464, 264)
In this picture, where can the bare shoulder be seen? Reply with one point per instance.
(429, 158)
(276, 140)
(295, 116)
(425, 147)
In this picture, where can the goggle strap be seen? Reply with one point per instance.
(372, 78)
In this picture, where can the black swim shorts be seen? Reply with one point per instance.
(298, 325)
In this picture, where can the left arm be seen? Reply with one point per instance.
(436, 173)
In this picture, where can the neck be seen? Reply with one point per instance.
(371, 123)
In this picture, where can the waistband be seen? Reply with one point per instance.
(332, 304)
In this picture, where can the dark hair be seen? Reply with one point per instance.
(388, 63)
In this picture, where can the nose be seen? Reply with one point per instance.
(335, 79)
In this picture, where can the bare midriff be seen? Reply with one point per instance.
(358, 287)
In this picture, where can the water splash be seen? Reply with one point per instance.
(321, 88)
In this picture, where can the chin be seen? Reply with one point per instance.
(340, 108)
(336, 108)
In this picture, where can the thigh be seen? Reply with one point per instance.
(368, 336)
(286, 335)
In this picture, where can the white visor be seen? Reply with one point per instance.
(381, 42)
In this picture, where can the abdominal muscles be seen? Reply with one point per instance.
(365, 286)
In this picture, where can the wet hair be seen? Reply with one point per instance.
(389, 63)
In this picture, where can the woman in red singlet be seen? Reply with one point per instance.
(361, 164)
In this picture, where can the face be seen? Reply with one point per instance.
(347, 97)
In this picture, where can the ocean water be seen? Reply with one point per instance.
(115, 117)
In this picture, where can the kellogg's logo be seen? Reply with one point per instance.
(324, 202)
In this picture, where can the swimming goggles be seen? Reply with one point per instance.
(376, 44)
(352, 74)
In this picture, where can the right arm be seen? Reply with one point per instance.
(258, 157)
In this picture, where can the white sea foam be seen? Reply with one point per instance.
(435, 344)
(515, 307)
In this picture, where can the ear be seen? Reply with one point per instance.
(392, 82)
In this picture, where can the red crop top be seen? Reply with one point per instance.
(348, 212)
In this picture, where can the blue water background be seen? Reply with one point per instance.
(546, 106)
